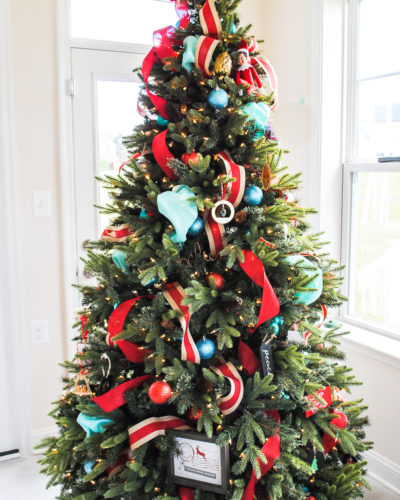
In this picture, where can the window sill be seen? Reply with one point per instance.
(373, 345)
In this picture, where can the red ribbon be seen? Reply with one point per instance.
(340, 421)
(325, 394)
(113, 399)
(271, 450)
(133, 352)
(186, 493)
(254, 269)
(247, 358)
(205, 48)
(209, 20)
(162, 154)
(162, 49)
(150, 428)
(181, 8)
(230, 403)
(174, 294)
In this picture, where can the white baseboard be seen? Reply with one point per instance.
(38, 434)
(384, 471)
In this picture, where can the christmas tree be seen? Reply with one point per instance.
(206, 366)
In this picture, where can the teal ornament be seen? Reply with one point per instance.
(332, 324)
(116, 304)
(206, 348)
(260, 113)
(144, 214)
(218, 98)
(253, 195)
(278, 320)
(196, 228)
(119, 259)
(274, 328)
(162, 122)
(188, 58)
(311, 270)
(88, 466)
(233, 28)
(178, 206)
(93, 425)
(284, 395)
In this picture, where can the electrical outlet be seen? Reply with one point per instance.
(42, 203)
(40, 331)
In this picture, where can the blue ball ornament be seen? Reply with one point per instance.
(151, 282)
(206, 348)
(88, 466)
(253, 196)
(279, 320)
(162, 122)
(218, 98)
(197, 227)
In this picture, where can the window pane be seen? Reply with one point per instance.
(375, 249)
(129, 21)
(379, 118)
(379, 37)
(116, 117)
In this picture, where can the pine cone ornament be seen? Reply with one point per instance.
(203, 385)
(240, 217)
(168, 324)
(223, 64)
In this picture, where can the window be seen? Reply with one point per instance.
(128, 21)
(371, 216)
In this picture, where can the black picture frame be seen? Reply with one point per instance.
(213, 476)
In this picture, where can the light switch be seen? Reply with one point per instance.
(42, 203)
(40, 331)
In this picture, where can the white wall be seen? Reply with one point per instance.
(35, 105)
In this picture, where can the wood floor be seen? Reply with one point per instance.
(20, 480)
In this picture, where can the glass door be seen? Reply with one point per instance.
(104, 111)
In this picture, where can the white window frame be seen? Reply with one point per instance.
(351, 167)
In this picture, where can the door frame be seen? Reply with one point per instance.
(10, 284)
(67, 173)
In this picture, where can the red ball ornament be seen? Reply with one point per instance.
(160, 392)
(217, 280)
(340, 420)
(194, 416)
(186, 157)
(311, 498)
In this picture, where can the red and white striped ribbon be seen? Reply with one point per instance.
(230, 403)
(236, 187)
(205, 48)
(148, 429)
(325, 394)
(209, 20)
(215, 233)
(162, 154)
(271, 75)
(174, 294)
(119, 464)
(116, 233)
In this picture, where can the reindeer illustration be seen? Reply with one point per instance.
(198, 452)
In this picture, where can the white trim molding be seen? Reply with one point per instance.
(9, 247)
(383, 471)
